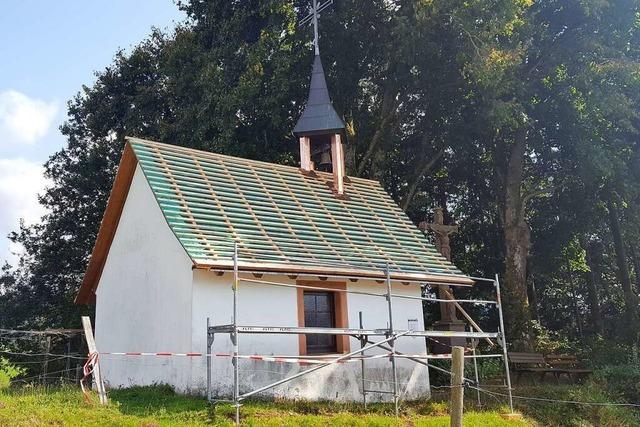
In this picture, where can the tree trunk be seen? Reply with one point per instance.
(630, 299)
(517, 240)
(532, 292)
(574, 302)
(636, 266)
(516, 302)
(594, 276)
(532, 296)
(426, 167)
(387, 112)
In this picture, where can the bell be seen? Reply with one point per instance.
(325, 160)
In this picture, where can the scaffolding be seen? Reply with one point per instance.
(385, 337)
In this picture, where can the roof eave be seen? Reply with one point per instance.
(347, 272)
(300, 133)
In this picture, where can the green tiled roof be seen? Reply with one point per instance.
(279, 215)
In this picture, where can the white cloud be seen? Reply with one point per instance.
(23, 119)
(20, 182)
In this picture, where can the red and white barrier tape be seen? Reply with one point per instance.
(87, 370)
(135, 353)
(279, 359)
(308, 360)
(444, 356)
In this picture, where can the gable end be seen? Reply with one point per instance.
(108, 226)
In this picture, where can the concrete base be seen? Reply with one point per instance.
(443, 345)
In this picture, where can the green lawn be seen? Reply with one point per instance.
(159, 406)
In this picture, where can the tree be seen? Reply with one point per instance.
(208, 86)
(519, 117)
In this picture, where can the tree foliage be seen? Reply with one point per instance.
(520, 118)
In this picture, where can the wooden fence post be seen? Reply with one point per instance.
(97, 378)
(457, 387)
(45, 363)
(79, 361)
(67, 365)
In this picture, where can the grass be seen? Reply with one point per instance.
(159, 406)
(570, 415)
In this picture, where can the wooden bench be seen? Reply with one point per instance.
(529, 363)
(567, 364)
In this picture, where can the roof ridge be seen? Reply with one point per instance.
(226, 156)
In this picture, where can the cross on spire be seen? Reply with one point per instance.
(312, 17)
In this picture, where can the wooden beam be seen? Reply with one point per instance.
(91, 344)
(343, 344)
(293, 269)
(338, 165)
(457, 386)
(108, 226)
(305, 154)
(462, 311)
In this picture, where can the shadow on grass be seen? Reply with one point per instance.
(154, 400)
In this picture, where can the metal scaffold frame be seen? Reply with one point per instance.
(387, 342)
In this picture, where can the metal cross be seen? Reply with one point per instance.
(313, 16)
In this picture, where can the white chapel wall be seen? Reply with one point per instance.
(144, 297)
(149, 300)
(264, 305)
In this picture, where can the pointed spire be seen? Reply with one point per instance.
(319, 116)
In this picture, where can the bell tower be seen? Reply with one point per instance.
(319, 128)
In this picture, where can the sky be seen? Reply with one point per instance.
(48, 50)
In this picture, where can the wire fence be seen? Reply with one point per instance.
(42, 371)
(45, 357)
(550, 400)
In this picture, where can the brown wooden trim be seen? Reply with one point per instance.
(341, 310)
(338, 164)
(108, 226)
(302, 339)
(305, 154)
(333, 271)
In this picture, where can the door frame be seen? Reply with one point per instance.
(340, 310)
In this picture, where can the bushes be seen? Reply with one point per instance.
(8, 372)
(549, 342)
(487, 369)
(617, 369)
(622, 380)
(574, 415)
(601, 352)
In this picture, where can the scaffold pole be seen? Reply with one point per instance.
(310, 370)
(392, 343)
(236, 365)
(363, 342)
(209, 342)
(503, 341)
